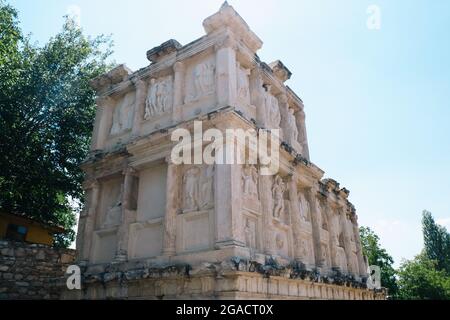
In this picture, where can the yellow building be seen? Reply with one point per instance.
(21, 228)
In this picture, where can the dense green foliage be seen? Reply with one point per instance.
(437, 242)
(46, 115)
(378, 256)
(424, 277)
(420, 279)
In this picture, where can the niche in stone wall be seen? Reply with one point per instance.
(250, 230)
(146, 235)
(158, 107)
(123, 114)
(105, 245)
(200, 84)
(195, 223)
(110, 210)
(152, 193)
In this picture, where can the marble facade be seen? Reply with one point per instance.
(144, 212)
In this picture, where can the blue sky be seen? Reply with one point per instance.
(376, 101)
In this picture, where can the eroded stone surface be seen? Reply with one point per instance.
(144, 209)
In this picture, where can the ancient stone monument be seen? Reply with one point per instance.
(156, 229)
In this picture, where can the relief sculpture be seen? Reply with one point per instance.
(243, 84)
(292, 129)
(198, 188)
(159, 98)
(123, 114)
(250, 181)
(278, 196)
(273, 109)
(203, 80)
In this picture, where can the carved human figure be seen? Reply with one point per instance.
(304, 208)
(243, 84)
(292, 130)
(191, 190)
(279, 241)
(324, 250)
(305, 249)
(123, 115)
(114, 212)
(278, 196)
(250, 234)
(159, 97)
(206, 187)
(203, 79)
(250, 181)
(273, 109)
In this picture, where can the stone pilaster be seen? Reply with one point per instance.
(226, 72)
(333, 233)
(129, 207)
(257, 96)
(295, 216)
(315, 224)
(172, 205)
(178, 91)
(227, 205)
(141, 92)
(347, 237)
(265, 192)
(302, 136)
(284, 109)
(359, 252)
(93, 189)
(103, 118)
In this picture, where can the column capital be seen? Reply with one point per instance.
(179, 66)
(130, 171)
(104, 100)
(282, 98)
(140, 84)
(91, 184)
(226, 41)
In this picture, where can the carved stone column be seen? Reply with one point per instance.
(103, 118)
(295, 216)
(284, 110)
(129, 206)
(315, 223)
(226, 71)
(141, 93)
(88, 217)
(302, 137)
(172, 205)
(257, 96)
(178, 91)
(265, 192)
(333, 233)
(347, 237)
(227, 205)
(359, 252)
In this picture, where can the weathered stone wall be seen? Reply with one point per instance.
(32, 271)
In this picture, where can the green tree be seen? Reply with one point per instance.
(46, 116)
(420, 279)
(378, 256)
(437, 242)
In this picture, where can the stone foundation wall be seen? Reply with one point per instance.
(32, 271)
(230, 279)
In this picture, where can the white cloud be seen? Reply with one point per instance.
(74, 12)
